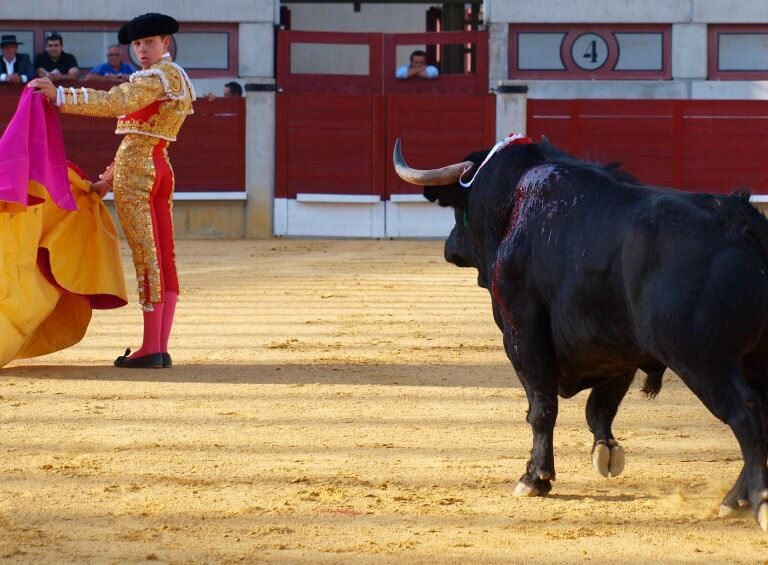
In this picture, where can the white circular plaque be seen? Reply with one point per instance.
(589, 51)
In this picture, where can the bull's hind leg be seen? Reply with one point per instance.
(738, 496)
(730, 398)
(602, 406)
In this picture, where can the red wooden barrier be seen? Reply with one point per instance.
(435, 130)
(209, 155)
(329, 143)
(335, 133)
(699, 145)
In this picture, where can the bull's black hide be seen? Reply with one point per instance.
(593, 275)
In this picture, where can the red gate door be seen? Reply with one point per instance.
(329, 144)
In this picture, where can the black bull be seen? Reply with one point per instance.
(593, 275)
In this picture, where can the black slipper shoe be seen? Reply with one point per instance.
(151, 361)
(167, 361)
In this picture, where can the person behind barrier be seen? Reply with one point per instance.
(54, 62)
(114, 68)
(231, 89)
(15, 68)
(417, 68)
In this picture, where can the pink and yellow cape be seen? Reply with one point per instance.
(59, 251)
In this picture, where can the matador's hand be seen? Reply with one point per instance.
(101, 188)
(44, 86)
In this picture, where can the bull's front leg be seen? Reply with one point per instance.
(540, 469)
(529, 348)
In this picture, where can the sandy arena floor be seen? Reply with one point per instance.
(338, 401)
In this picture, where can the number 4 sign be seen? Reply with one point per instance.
(589, 51)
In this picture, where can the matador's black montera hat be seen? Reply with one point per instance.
(147, 25)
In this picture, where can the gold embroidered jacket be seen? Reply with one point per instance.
(155, 102)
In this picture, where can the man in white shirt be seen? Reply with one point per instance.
(15, 68)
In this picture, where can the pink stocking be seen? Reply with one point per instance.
(153, 323)
(171, 298)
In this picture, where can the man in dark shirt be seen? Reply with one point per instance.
(55, 63)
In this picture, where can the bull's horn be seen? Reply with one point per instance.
(432, 177)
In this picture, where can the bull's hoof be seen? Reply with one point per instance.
(523, 489)
(608, 458)
(728, 508)
(762, 516)
(528, 486)
(725, 511)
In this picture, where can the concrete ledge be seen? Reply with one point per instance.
(729, 90)
(719, 12)
(405, 198)
(411, 218)
(622, 89)
(201, 196)
(321, 216)
(338, 198)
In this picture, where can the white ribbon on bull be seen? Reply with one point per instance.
(512, 138)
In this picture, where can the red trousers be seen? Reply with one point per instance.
(143, 184)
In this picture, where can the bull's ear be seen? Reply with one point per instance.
(453, 195)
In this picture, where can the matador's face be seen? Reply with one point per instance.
(149, 50)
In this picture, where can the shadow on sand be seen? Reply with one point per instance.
(487, 376)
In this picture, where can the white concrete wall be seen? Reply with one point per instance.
(400, 18)
(256, 49)
(591, 11)
(729, 11)
(689, 51)
(372, 18)
(689, 20)
(116, 10)
(260, 161)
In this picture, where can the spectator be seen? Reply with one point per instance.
(14, 68)
(113, 69)
(232, 88)
(54, 62)
(417, 68)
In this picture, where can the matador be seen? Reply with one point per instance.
(150, 110)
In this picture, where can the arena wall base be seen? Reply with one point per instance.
(325, 216)
(223, 219)
(411, 215)
(360, 216)
(209, 220)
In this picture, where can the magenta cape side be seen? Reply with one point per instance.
(32, 149)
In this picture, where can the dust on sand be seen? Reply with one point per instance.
(339, 401)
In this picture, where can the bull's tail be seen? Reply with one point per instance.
(653, 379)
